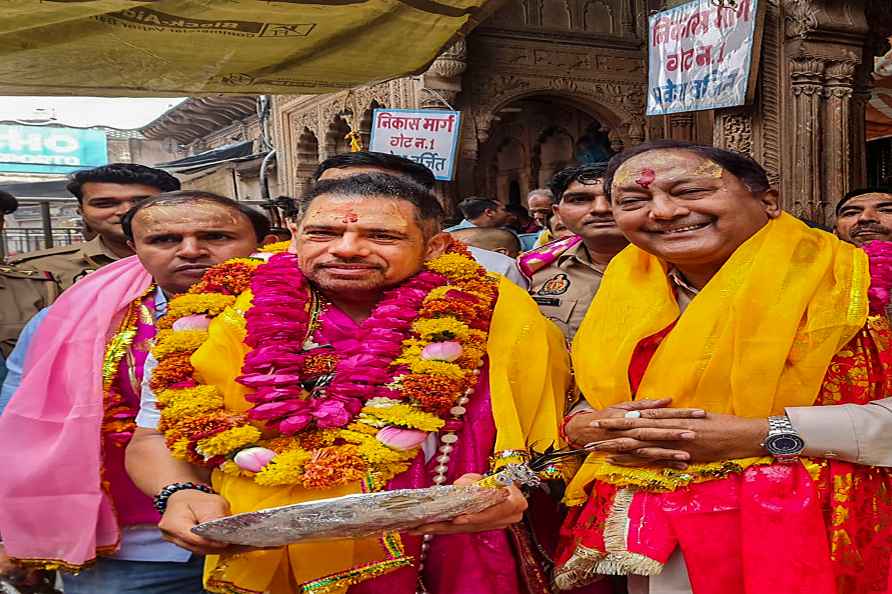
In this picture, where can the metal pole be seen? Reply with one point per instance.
(47, 224)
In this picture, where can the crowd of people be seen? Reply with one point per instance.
(722, 366)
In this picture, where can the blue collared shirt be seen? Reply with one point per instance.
(138, 543)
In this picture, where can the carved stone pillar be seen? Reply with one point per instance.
(681, 126)
(636, 127)
(443, 80)
(827, 46)
(840, 141)
(806, 76)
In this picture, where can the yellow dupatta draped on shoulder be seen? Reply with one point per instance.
(759, 336)
(529, 377)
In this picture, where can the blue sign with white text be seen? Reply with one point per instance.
(45, 149)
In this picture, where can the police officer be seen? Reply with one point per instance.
(565, 274)
(104, 194)
(22, 293)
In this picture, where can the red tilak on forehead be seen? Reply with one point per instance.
(645, 178)
(350, 217)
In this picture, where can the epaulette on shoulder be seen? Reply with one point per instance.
(13, 272)
(53, 251)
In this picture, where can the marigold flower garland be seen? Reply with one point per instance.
(329, 406)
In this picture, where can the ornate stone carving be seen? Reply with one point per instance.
(734, 131)
(840, 78)
(768, 115)
(800, 18)
(807, 76)
(453, 62)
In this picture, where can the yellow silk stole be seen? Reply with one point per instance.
(528, 377)
(757, 338)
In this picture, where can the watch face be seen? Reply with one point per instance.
(784, 444)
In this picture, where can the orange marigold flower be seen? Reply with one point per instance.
(172, 369)
(229, 278)
(433, 393)
(441, 307)
(330, 467)
(195, 428)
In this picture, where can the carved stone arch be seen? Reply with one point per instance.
(511, 162)
(306, 158)
(607, 109)
(555, 14)
(335, 141)
(598, 17)
(365, 122)
(555, 149)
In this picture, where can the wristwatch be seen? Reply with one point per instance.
(782, 441)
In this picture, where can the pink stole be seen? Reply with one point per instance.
(54, 508)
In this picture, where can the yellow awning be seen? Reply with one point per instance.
(190, 47)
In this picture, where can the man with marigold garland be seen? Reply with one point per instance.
(377, 356)
(67, 500)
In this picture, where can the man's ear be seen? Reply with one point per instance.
(437, 245)
(270, 238)
(771, 202)
(131, 245)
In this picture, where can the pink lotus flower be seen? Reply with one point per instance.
(401, 439)
(193, 322)
(442, 351)
(253, 459)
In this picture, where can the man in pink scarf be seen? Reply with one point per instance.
(67, 501)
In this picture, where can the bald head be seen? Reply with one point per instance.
(489, 238)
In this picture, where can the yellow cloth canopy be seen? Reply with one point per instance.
(182, 47)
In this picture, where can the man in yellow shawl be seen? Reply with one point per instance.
(373, 354)
(767, 469)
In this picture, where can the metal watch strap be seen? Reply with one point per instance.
(780, 423)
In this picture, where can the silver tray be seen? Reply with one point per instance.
(350, 516)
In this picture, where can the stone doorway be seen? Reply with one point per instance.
(534, 137)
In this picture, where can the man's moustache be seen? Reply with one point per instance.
(871, 229)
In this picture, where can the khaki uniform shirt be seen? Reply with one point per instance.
(69, 263)
(565, 289)
(23, 293)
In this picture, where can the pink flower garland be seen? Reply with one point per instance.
(879, 254)
(277, 326)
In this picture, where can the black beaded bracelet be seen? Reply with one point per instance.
(160, 501)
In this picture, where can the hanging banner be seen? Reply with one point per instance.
(703, 55)
(137, 48)
(46, 149)
(427, 136)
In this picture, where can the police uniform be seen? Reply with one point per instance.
(563, 281)
(69, 263)
(23, 293)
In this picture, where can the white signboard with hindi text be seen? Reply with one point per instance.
(427, 136)
(702, 55)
